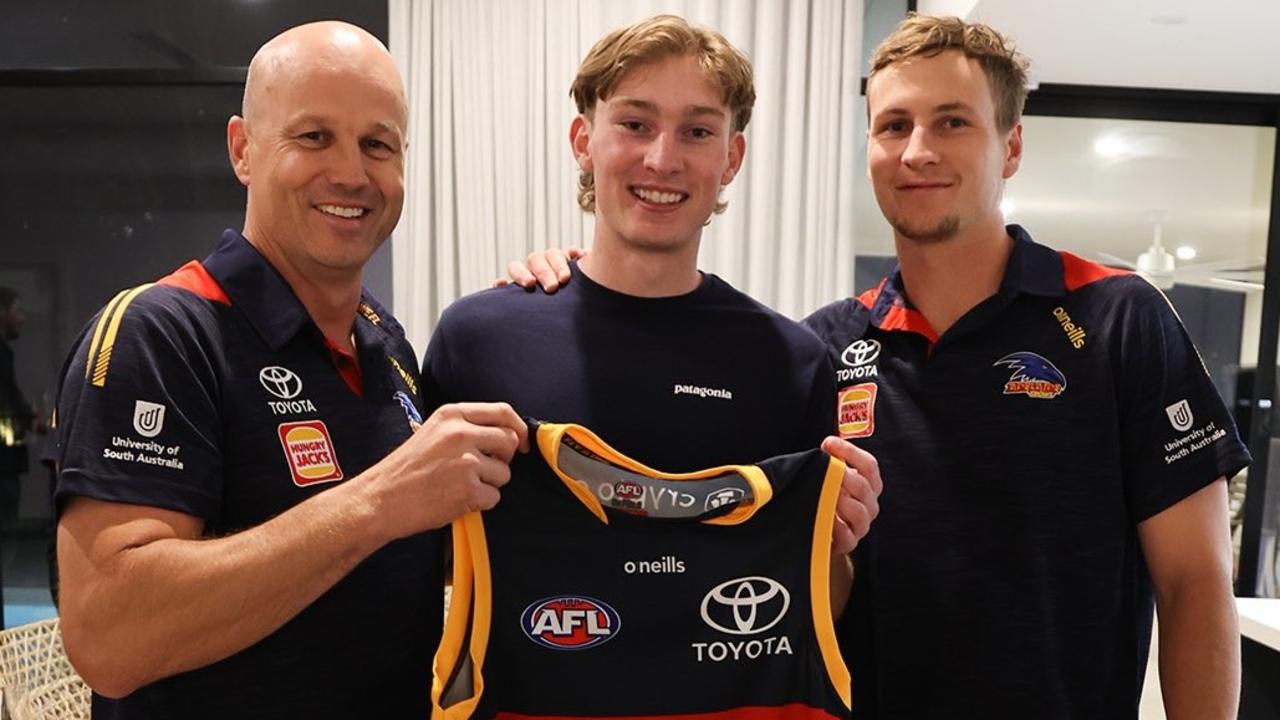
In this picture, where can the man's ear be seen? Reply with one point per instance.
(737, 153)
(580, 141)
(238, 148)
(1013, 151)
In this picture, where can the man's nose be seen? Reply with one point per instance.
(347, 165)
(920, 148)
(663, 155)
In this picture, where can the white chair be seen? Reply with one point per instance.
(36, 677)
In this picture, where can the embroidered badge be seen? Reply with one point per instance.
(1033, 376)
(309, 450)
(410, 410)
(856, 411)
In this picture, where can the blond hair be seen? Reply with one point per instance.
(927, 35)
(650, 40)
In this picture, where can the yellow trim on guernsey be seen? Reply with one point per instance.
(472, 601)
(820, 582)
(100, 355)
(550, 434)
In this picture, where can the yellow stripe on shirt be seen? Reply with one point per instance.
(109, 337)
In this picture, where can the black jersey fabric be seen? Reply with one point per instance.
(602, 587)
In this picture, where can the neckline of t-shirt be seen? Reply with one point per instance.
(598, 292)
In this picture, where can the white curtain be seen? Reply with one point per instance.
(490, 176)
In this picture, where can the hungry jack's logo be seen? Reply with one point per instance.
(309, 451)
(856, 411)
(1033, 376)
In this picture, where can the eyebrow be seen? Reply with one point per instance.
(310, 118)
(692, 111)
(943, 108)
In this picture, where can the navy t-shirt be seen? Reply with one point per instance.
(681, 383)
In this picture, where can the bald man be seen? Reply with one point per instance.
(248, 494)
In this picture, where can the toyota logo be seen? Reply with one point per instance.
(280, 381)
(747, 603)
(861, 352)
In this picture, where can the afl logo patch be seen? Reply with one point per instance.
(856, 411)
(309, 451)
(570, 622)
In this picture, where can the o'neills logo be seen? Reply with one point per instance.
(309, 451)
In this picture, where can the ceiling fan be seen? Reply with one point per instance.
(1161, 268)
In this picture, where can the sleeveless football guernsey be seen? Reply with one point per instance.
(599, 587)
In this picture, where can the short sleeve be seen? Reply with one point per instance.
(138, 418)
(1177, 433)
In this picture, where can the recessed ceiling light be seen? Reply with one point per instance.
(1110, 146)
(1007, 207)
(1185, 252)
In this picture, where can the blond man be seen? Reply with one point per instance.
(671, 365)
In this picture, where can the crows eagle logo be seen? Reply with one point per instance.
(1033, 376)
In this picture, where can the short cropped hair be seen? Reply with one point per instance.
(647, 41)
(927, 35)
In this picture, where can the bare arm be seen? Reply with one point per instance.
(1188, 551)
(857, 507)
(144, 598)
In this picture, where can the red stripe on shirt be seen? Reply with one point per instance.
(195, 278)
(900, 318)
(868, 298)
(348, 367)
(1078, 272)
(794, 711)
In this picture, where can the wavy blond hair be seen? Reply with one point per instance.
(648, 41)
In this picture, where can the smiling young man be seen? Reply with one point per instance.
(672, 366)
(1058, 452)
(245, 476)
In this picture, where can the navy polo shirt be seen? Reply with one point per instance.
(1020, 450)
(213, 393)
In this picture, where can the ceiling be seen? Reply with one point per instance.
(1226, 45)
(1209, 185)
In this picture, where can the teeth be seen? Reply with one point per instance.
(661, 198)
(346, 212)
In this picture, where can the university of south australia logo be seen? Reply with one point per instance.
(148, 418)
(1180, 416)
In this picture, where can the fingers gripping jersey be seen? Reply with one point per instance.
(601, 587)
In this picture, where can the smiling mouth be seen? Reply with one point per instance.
(343, 211)
(659, 197)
